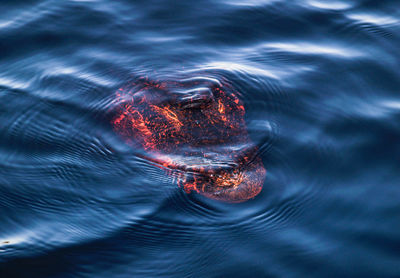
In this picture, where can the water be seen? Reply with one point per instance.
(320, 84)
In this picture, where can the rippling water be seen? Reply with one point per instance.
(320, 84)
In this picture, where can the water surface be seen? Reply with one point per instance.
(320, 84)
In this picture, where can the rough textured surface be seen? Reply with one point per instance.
(195, 127)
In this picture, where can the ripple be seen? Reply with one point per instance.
(374, 24)
(318, 80)
(252, 3)
(331, 5)
(10, 83)
(236, 67)
(28, 17)
(375, 19)
(315, 49)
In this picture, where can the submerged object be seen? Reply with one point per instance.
(195, 129)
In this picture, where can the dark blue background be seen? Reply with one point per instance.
(320, 82)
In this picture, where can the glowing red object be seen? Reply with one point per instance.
(199, 133)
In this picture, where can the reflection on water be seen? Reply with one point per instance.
(319, 83)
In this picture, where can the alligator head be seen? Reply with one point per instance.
(196, 128)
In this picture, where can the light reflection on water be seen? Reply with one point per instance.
(319, 81)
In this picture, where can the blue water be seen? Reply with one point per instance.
(320, 81)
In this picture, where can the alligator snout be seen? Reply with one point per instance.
(234, 176)
(235, 185)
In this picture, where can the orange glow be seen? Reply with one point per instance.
(186, 138)
(221, 110)
(169, 115)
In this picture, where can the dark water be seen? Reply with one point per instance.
(320, 81)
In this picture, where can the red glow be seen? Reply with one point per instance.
(194, 134)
